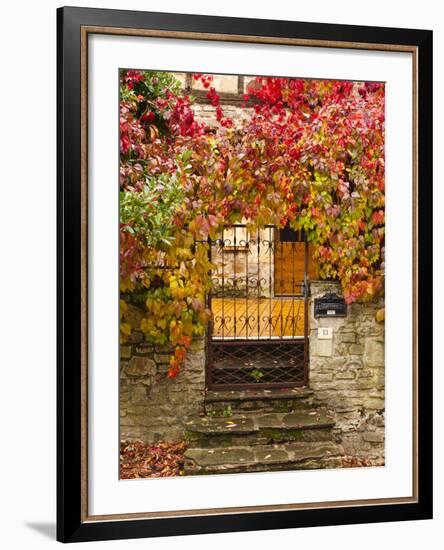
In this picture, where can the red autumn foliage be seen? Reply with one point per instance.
(310, 154)
(360, 461)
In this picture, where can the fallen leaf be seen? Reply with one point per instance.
(139, 460)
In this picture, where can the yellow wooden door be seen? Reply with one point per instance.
(289, 265)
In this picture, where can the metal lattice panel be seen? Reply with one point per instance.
(265, 363)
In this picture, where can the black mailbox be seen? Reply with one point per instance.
(330, 305)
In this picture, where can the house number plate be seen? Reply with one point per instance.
(325, 333)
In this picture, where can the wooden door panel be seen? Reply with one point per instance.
(289, 264)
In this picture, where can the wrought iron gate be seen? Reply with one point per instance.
(259, 333)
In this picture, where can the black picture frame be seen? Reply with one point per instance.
(71, 523)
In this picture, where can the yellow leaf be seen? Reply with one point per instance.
(125, 328)
(380, 315)
(146, 325)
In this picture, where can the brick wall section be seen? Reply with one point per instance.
(207, 113)
(347, 373)
(231, 89)
(152, 406)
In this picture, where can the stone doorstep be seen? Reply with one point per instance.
(273, 400)
(255, 422)
(260, 458)
(213, 396)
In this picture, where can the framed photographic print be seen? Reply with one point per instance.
(245, 269)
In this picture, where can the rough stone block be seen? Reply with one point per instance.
(321, 377)
(379, 377)
(324, 348)
(365, 373)
(144, 349)
(195, 362)
(126, 421)
(356, 349)
(166, 349)
(346, 375)
(161, 359)
(135, 337)
(125, 352)
(349, 393)
(373, 437)
(376, 392)
(365, 384)
(123, 365)
(139, 394)
(197, 344)
(346, 337)
(374, 403)
(163, 368)
(140, 366)
(374, 353)
(222, 84)
(133, 315)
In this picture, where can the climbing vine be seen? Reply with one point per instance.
(310, 155)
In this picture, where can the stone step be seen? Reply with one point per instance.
(289, 399)
(289, 456)
(259, 428)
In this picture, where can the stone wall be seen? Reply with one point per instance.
(154, 407)
(347, 373)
